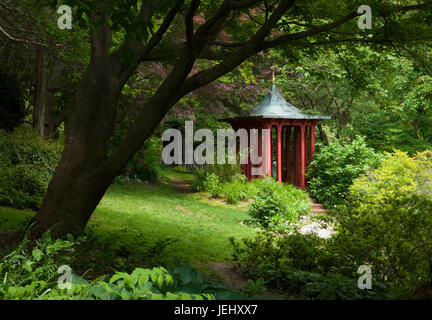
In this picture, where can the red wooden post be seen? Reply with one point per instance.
(307, 141)
(239, 151)
(260, 154)
(307, 149)
(288, 153)
(246, 165)
(249, 166)
(302, 182)
(312, 143)
(279, 153)
(268, 155)
(296, 156)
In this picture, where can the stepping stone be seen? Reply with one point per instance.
(317, 208)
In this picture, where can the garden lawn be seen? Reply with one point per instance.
(140, 217)
(146, 215)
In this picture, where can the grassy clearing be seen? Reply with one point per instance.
(142, 218)
(156, 213)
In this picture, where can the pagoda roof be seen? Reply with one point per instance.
(274, 106)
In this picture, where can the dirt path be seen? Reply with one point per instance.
(180, 185)
(234, 277)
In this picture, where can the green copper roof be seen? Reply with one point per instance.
(275, 106)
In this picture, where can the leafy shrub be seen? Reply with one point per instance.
(30, 272)
(11, 102)
(208, 182)
(234, 189)
(276, 202)
(148, 284)
(25, 146)
(268, 251)
(183, 283)
(237, 191)
(301, 266)
(386, 224)
(387, 221)
(225, 172)
(145, 165)
(310, 285)
(336, 166)
(27, 163)
(392, 133)
(21, 186)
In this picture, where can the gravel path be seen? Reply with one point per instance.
(322, 229)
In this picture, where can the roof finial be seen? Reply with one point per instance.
(273, 78)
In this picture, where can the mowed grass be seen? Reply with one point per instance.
(148, 215)
(138, 216)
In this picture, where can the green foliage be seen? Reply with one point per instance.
(145, 165)
(183, 283)
(27, 163)
(239, 190)
(391, 134)
(30, 271)
(269, 251)
(387, 220)
(254, 288)
(234, 190)
(301, 267)
(310, 285)
(336, 166)
(208, 182)
(220, 180)
(180, 169)
(123, 249)
(276, 202)
(21, 186)
(225, 172)
(11, 101)
(25, 146)
(225, 182)
(273, 202)
(418, 107)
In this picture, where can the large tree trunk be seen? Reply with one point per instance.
(78, 185)
(86, 168)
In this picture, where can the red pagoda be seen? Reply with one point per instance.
(291, 144)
